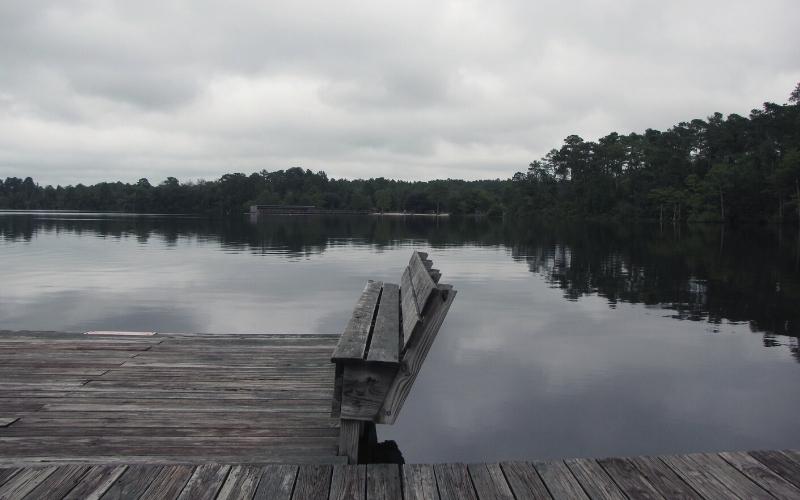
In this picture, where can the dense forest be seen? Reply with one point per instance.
(730, 168)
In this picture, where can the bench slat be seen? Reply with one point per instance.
(408, 305)
(353, 342)
(421, 280)
(385, 343)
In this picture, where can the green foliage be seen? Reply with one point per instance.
(720, 169)
(234, 193)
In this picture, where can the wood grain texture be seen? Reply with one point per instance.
(410, 315)
(383, 481)
(59, 483)
(701, 480)
(384, 344)
(761, 475)
(7, 473)
(348, 482)
(353, 342)
(726, 474)
(594, 480)
(178, 399)
(629, 478)
(25, 481)
(780, 463)
(664, 479)
(242, 482)
(96, 482)
(349, 439)
(525, 481)
(313, 482)
(421, 281)
(277, 482)
(205, 482)
(169, 482)
(613, 478)
(454, 482)
(133, 482)
(560, 481)
(419, 482)
(364, 389)
(489, 482)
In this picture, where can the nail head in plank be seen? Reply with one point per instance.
(419, 482)
(383, 481)
(348, 482)
(384, 345)
(489, 482)
(353, 342)
(454, 482)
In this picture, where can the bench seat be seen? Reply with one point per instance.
(385, 342)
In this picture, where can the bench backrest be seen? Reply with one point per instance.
(386, 340)
(375, 331)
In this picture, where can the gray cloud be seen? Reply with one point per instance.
(99, 90)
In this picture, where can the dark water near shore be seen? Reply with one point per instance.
(564, 340)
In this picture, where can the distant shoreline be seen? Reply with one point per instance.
(404, 214)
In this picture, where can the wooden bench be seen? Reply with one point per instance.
(383, 346)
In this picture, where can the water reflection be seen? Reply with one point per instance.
(563, 340)
(700, 273)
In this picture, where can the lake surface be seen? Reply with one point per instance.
(564, 340)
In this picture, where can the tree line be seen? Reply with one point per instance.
(732, 168)
(720, 169)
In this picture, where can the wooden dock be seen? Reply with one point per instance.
(249, 416)
(738, 475)
(167, 398)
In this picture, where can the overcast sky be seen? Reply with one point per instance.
(118, 90)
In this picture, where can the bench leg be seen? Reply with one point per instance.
(349, 439)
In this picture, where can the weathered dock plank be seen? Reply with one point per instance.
(594, 480)
(635, 477)
(166, 398)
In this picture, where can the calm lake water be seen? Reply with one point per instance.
(564, 340)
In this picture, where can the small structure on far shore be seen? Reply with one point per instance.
(298, 210)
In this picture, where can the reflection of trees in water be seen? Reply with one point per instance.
(696, 272)
(752, 278)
